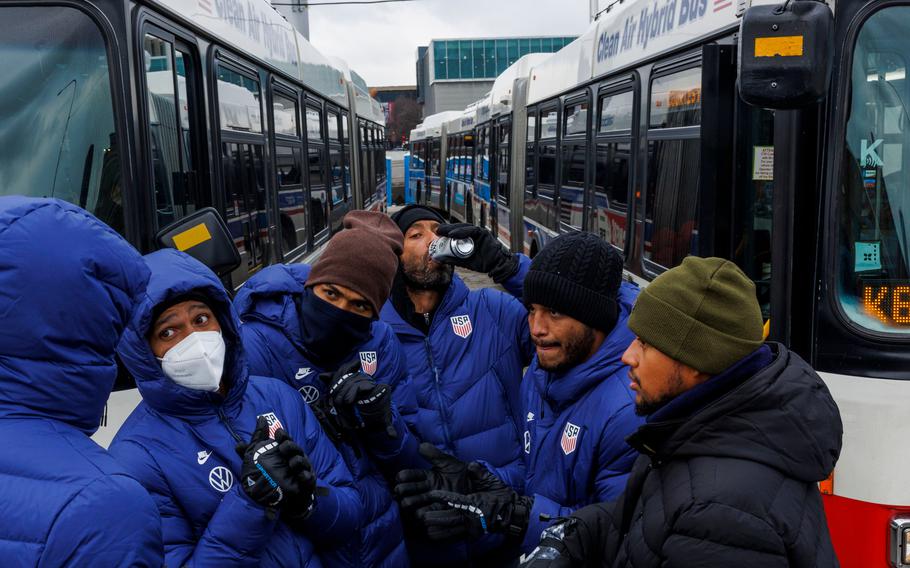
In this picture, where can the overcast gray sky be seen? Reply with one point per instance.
(380, 41)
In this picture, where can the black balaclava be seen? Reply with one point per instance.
(329, 334)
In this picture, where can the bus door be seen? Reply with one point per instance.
(173, 130)
(243, 166)
(291, 206)
(502, 204)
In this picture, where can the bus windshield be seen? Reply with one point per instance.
(56, 116)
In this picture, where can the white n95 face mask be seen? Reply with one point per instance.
(197, 361)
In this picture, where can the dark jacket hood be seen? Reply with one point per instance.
(67, 286)
(783, 417)
(564, 388)
(174, 274)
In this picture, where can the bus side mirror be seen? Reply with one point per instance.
(786, 54)
(203, 235)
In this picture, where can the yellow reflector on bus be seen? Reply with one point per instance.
(783, 46)
(192, 237)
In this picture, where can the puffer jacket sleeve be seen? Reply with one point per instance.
(111, 522)
(395, 454)
(515, 284)
(615, 456)
(236, 534)
(717, 535)
(258, 358)
(513, 320)
(338, 515)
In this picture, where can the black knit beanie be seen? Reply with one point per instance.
(413, 213)
(577, 274)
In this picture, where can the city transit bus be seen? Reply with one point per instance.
(638, 132)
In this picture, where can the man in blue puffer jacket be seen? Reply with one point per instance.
(577, 404)
(465, 350)
(300, 323)
(199, 405)
(68, 284)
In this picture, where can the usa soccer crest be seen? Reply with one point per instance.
(569, 438)
(461, 325)
(274, 423)
(368, 362)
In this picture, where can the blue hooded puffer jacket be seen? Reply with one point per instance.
(466, 373)
(67, 284)
(575, 428)
(180, 442)
(271, 337)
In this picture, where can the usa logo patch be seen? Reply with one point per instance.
(569, 438)
(461, 325)
(274, 423)
(368, 362)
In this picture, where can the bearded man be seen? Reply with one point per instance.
(576, 404)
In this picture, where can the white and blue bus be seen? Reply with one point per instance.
(637, 132)
(144, 111)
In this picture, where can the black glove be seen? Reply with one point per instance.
(489, 256)
(448, 473)
(360, 402)
(552, 551)
(276, 473)
(495, 508)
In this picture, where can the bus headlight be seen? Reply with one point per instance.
(900, 541)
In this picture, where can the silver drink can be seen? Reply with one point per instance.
(444, 249)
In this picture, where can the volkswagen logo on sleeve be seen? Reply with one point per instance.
(309, 393)
(221, 478)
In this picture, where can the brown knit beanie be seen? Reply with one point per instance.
(362, 257)
(703, 313)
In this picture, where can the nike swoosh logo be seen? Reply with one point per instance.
(203, 457)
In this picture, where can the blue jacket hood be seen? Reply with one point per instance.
(174, 274)
(67, 285)
(564, 388)
(267, 297)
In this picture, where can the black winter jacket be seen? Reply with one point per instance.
(734, 484)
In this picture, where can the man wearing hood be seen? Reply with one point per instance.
(213, 445)
(738, 435)
(317, 329)
(576, 404)
(68, 284)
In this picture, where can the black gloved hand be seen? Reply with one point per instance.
(360, 401)
(275, 472)
(448, 473)
(552, 551)
(489, 256)
(495, 508)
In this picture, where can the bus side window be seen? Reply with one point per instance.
(671, 193)
(609, 205)
(170, 136)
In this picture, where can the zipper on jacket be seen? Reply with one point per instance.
(227, 423)
(445, 427)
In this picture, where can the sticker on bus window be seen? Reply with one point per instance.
(867, 256)
(763, 163)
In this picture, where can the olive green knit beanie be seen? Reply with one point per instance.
(703, 313)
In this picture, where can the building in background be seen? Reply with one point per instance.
(297, 14)
(402, 113)
(453, 73)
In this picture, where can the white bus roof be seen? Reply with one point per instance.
(465, 121)
(256, 28)
(633, 31)
(432, 125)
(501, 92)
